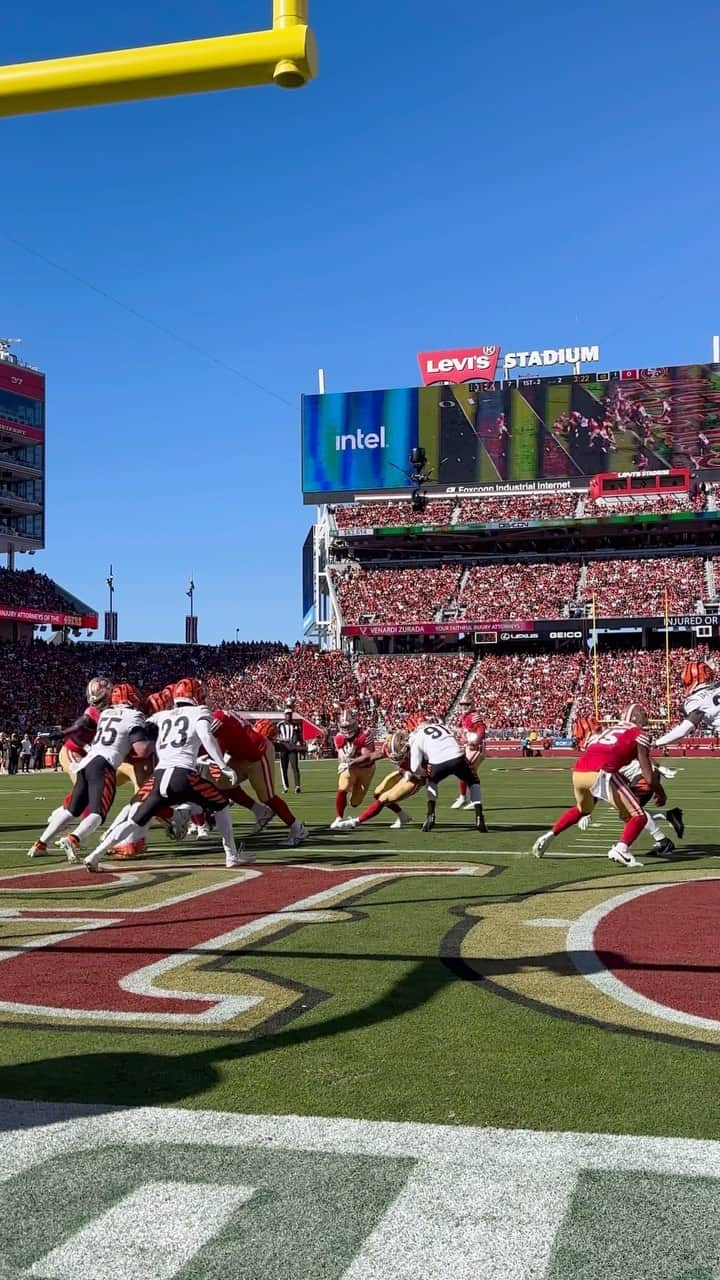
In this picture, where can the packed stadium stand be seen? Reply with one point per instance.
(627, 677)
(519, 590)
(521, 692)
(393, 686)
(406, 595)
(537, 506)
(376, 515)
(654, 504)
(637, 587)
(26, 589)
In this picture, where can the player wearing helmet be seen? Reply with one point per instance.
(701, 708)
(398, 785)
(80, 734)
(183, 733)
(473, 737)
(435, 754)
(120, 728)
(251, 755)
(597, 776)
(356, 766)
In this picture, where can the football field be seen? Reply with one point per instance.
(382, 1054)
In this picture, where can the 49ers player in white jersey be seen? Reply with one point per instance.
(701, 708)
(182, 733)
(120, 727)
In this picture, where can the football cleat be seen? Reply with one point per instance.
(239, 859)
(541, 844)
(92, 863)
(37, 849)
(675, 818)
(459, 803)
(298, 833)
(70, 846)
(203, 832)
(179, 824)
(339, 824)
(623, 856)
(403, 820)
(429, 822)
(480, 824)
(130, 849)
(663, 849)
(585, 822)
(263, 815)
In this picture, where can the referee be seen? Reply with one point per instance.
(288, 741)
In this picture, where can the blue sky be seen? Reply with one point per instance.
(454, 177)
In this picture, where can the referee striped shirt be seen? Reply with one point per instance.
(288, 733)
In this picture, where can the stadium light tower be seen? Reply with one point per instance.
(285, 55)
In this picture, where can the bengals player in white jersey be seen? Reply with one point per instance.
(183, 733)
(701, 708)
(356, 766)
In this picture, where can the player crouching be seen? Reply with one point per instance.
(356, 766)
(395, 787)
(597, 776)
(435, 755)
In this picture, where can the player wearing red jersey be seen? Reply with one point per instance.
(597, 776)
(473, 735)
(398, 785)
(356, 766)
(252, 756)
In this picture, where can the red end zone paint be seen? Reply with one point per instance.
(84, 972)
(664, 946)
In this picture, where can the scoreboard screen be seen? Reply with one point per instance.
(504, 432)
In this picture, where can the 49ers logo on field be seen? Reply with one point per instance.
(165, 948)
(636, 952)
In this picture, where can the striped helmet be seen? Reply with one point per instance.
(266, 728)
(188, 690)
(695, 674)
(126, 695)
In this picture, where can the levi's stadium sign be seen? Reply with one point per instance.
(479, 364)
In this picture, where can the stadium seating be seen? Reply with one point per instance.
(375, 515)
(535, 506)
(26, 589)
(637, 587)
(522, 692)
(499, 591)
(398, 595)
(635, 676)
(319, 683)
(392, 687)
(658, 504)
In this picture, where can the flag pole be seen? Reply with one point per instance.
(595, 658)
(667, 655)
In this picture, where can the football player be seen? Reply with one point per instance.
(395, 787)
(701, 708)
(585, 731)
(435, 755)
(597, 776)
(79, 736)
(251, 755)
(473, 736)
(135, 772)
(356, 766)
(182, 733)
(121, 728)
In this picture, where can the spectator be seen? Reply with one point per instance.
(26, 748)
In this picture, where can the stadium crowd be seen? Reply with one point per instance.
(400, 595)
(631, 675)
(654, 504)
(522, 692)
(376, 515)
(637, 587)
(27, 589)
(391, 687)
(533, 506)
(519, 590)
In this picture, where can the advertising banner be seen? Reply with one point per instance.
(525, 630)
(84, 621)
(518, 431)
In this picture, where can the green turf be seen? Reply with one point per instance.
(394, 1030)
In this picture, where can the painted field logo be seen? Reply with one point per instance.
(638, 952)
(161, 948)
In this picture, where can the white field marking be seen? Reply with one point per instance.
(492, 1197)
(150, 1235)
(548, 922)
(142, 981)
(580, 946)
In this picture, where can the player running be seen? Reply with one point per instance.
(182, 733)
(435, 755)
(473, 737)
(395, 787)
(356, 766)
(597, 776)
(251, 756)
(701, 708)
(120, 728)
